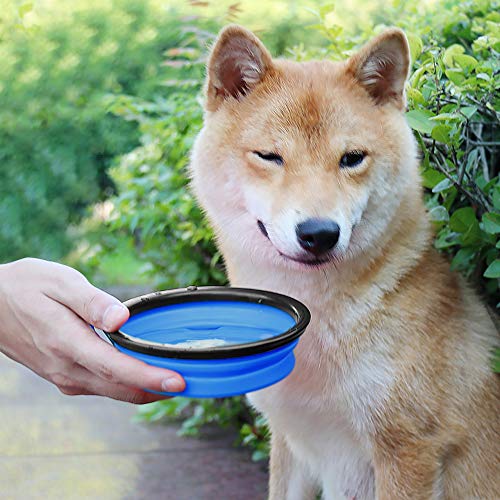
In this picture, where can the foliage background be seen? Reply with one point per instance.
(100, 103)
(57, 139)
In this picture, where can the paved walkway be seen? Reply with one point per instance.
(64, 448)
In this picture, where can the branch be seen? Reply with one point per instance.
(476, 200)
(486, 172)
(485, 143)
(481, 107)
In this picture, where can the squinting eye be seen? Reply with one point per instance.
(352, 159)
(274, 157)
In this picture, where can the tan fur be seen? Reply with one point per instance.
(392, 395)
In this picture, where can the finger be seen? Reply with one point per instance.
(96, 307)
(80, 381)
(126, 394)
(109, 364)
(83, 346)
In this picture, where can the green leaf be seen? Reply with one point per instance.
(483, 76)
(451, 195)
(450, 53)
(472, 161)
(415, 95)
(468, 111)
(416, 46)
(491, 222)
(441, 133)
(496, 198)
(431, 177)
(462, 259)
(446, 239)
(472, 236)
(493, 270)
(445, 117)
(467, 63)
(259, 455)
(439, 214)
(419, 119)
(462, 219)
(455, 75)
(496, 360)
(441, 186)
(491, 255)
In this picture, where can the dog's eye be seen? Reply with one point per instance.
(274, 157)
(352, 159)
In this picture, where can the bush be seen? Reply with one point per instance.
(57, 139)
(154, 206)
(453, 111)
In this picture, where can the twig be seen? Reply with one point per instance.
(485, 143)
(481, 107)
(486, 172)
(482, 202)
(486, 205)
(462, 170)
(444, 171)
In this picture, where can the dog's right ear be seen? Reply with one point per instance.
(238, 62)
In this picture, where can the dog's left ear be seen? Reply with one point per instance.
(238, 62)
(382, 66)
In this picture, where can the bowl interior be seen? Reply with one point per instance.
(208, 324)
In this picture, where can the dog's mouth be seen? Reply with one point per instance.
(306, 262)
(314, 262)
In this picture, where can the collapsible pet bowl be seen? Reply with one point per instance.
(253, 333)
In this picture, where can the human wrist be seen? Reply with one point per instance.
(6, 281)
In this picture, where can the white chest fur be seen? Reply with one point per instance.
(324, 408)
(320, 430)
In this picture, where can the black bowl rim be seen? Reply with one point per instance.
(296, 309)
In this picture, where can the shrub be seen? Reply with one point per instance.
(453, 109)
(454, 112)
(57, 139)
(154, 206)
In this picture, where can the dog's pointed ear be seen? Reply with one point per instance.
(237, 63)
(382, 66)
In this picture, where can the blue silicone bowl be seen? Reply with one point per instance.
(254, 333)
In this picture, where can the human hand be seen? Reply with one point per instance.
(45, 311)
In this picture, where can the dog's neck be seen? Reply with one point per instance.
(374, 272)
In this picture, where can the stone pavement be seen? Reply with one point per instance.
(64, 448)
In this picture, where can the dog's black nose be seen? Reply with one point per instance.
(318, 235)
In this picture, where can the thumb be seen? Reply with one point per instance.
(92, 305)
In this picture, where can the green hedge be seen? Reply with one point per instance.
(453, 110)
(59, 63)
(154, 206)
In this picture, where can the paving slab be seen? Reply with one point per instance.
(59, 447)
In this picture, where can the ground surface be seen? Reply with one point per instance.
(60, 447)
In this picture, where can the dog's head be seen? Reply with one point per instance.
(304, 163)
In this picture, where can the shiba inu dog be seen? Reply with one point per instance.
(308, 173)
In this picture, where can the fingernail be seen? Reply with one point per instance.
(172, 384)
(112, 317)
